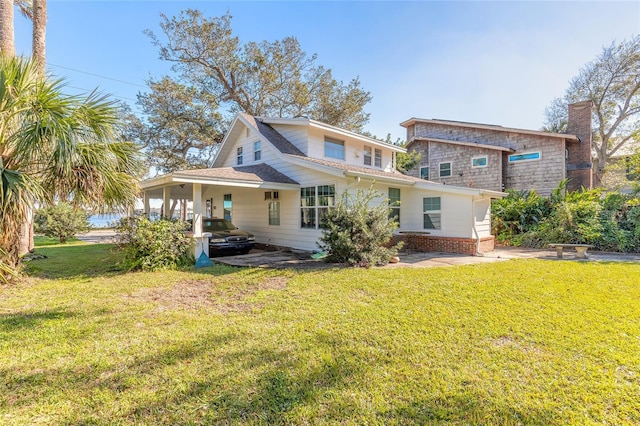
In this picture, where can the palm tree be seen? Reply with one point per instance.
(56, 147)
(7, 41)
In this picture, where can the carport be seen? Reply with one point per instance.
(206, 189)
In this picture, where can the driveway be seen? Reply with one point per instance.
(413, 259)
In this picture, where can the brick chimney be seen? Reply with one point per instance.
(579, 161)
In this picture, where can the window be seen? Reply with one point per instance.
(424, 173)
(431, 213)
(314, 203)
(239, 156)
(274, 213)
(367, 155)
(527, 156)
(333, 148)
(394, 204)
(378, 159)
(226, 207)
(257, 151)
(478, 162)
(307, 207)
(326, 200)
(445, 169)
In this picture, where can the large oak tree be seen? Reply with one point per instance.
(260, 78)
(612, 82)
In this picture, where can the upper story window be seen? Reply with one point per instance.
(257, 151)
(333, 148)
(445, 169)
(527, 156)
(478, 162)
(378, 158)
(367, 155)
(424, 172)
(239, 156)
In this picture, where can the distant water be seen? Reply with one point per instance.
(105, 220)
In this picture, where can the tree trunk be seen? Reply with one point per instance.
(39, 33)
(7, 41)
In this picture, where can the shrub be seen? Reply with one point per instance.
(62, 221)
(152, 245)
(357, 233)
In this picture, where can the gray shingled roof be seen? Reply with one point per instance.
(254, 173)
(281, 143)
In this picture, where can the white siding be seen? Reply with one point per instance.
(482, 210)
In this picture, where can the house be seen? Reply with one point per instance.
(275, 177)
(500, 158)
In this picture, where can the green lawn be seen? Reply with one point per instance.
(513, 342)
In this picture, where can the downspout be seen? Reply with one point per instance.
(475, 230)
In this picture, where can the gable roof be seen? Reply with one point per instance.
(452, 123)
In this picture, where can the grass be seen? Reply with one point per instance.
(513, 342)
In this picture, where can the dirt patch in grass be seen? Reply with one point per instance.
(202, 294)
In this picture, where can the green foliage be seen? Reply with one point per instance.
(62, 221)
(56, 147)
(356, 232)
(263, 78)
(152, 245)
(527, 342)
(612, 82)
(609, 221)
(407, 161)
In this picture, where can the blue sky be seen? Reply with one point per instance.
(488, 62)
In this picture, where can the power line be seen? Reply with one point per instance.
(97, 75)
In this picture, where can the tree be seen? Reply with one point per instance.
(56, 147)
(62, 220)
(39, 19)
(612, 83)
(182, 129)
(356, 232)
(7, 40)
(267, 78)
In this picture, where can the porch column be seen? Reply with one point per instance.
(147, 204)
(166, 202)
(200, 244)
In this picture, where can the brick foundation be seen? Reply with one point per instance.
(429, 243)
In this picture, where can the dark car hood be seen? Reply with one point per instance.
(232, 233)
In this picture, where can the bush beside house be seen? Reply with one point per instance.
(610, 221)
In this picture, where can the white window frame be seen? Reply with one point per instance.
(239, 156)
(329, 150)
(367, 156)
(377, 159)
(429, 212)
(450, 163)
(321, 203)
(486, 162)
(525, 160)
(394, 205)
(257, 151)
(274, 213)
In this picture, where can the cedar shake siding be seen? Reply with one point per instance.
(500, 158)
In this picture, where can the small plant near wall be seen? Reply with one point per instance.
(357, 232)
(154, 245)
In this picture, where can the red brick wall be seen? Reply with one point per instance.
(429, 243)
(579, 167)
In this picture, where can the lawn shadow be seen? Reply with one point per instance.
(76, 261)
(12, 322)
(465, 408)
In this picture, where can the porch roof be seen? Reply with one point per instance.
(253, 176)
